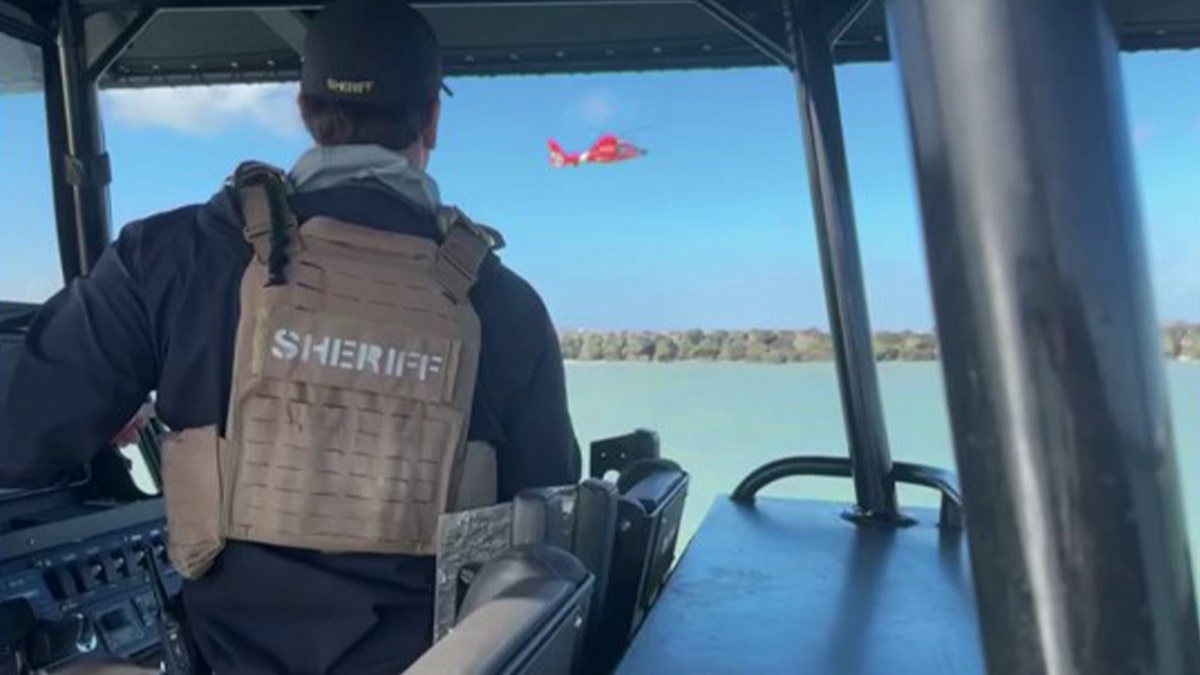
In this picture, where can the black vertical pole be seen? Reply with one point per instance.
(86, 165)
(1048, 336)
(56, 134)
(845, 296)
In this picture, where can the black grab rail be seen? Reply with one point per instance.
(945, 482)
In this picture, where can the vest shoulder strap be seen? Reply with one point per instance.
(465, 247)
(268, 223)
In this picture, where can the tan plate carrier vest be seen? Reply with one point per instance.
(354, 370)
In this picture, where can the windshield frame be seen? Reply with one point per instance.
(24, 29)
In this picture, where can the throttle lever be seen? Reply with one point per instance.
(16, 623)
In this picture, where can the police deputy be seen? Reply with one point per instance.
(337, 354)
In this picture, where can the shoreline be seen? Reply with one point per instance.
(686, 362)
(1179, 342)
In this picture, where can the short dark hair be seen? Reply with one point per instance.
(345, 123)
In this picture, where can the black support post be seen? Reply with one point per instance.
(56, 135)
(85, 167)
(845, 295)
(1048, 335)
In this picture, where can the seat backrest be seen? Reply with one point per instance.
(649, 511)
(595, 534)
(662, 495)
(525, 612)
(541, 516)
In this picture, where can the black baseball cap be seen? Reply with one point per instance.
(377, 52)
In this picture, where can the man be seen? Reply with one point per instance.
(161, 313)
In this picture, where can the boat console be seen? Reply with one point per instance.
(75, 557)
(74, 580)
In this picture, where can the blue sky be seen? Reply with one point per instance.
(712, 229)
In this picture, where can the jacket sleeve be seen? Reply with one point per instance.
(540, 449)
(87, 364)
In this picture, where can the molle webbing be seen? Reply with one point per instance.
(460, 256)
(354, 373)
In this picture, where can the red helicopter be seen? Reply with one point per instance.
(608, 149)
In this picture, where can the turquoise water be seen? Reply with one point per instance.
(721, 420)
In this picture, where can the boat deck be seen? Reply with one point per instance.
(788, 586)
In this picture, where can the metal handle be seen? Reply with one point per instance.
(945, 482)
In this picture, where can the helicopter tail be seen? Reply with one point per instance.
(558, 158)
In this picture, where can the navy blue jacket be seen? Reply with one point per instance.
(159, 313)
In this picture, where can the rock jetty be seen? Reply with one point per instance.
(1180, 341)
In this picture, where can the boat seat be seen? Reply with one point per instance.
(624, 534)
(588, 530)
(525, 612)
(652, 493)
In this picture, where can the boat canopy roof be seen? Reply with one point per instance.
(139, 43)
